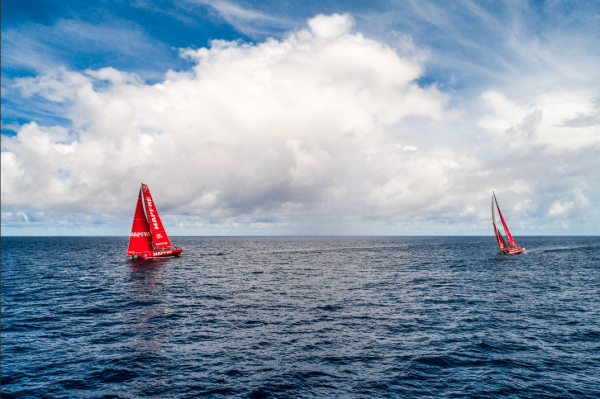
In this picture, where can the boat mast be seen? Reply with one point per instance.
(493, 214)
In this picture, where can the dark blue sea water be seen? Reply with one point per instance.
(302, 318)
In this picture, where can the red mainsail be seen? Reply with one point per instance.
(141, 237)
(159, 235)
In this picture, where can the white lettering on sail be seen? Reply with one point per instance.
(141, 234)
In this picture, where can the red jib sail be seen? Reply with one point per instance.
(159, 235)
(141, 237)
(500, 239)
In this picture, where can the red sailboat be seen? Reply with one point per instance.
(511, 248)
(148, 236)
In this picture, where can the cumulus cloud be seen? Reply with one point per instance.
(323, 128)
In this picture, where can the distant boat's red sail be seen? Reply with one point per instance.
(511, 242)
(159, 235)
(141, 237)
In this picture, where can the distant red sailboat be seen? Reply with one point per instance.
(511, 248)
(148, 236)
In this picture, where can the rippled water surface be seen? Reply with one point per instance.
(301, 318)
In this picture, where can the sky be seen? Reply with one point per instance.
(301, 118)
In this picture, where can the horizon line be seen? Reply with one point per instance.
(298, 236)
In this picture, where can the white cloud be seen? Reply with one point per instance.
(323, 128)
(330, 26)
(248, 21)
(311, 163)
(559, 208)
(549, 118)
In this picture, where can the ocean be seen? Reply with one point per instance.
(301, 317)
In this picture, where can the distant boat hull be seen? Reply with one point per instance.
(165, 253)
(513, 251)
